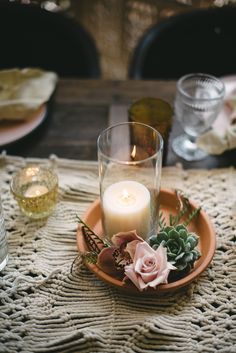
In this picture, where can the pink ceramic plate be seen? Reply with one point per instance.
(200, 225)
(14, 130)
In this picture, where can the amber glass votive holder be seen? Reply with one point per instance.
(156, 113)
(35, 188)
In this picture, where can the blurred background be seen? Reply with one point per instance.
(116, 26)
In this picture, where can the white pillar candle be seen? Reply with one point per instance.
(126, 206)
(36, 190)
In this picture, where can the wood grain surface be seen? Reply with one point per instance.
(80, 109)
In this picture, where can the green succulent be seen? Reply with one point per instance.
(180, 245)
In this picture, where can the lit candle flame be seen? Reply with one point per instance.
(36, 190)
(127, 198)
(133, 153)
(125, 194)
(31, 171)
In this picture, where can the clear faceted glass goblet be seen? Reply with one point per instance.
(198, 101)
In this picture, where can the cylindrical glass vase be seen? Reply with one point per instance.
(130, 162)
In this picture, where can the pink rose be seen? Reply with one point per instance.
(149, 268)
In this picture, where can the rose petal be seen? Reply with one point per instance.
(143, 249)
(141, 266)
(157, 281)
(141, 284)
(149, 264)
(149, 277)
(131, 247)
(162, 257)
(131, 274)
(138, 265)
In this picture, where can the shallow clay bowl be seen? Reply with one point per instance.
(201, 225)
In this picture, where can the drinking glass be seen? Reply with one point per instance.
(3, 241)
(130, 162)
(199, 98)
(154, 112)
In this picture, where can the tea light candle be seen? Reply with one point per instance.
(126, 206)
(36, 190)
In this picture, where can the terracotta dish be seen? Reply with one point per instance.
(201, 225)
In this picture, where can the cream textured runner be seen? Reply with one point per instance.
(46, 307)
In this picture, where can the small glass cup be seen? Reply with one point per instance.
(35, 188)
(3, 241)
(154, 112)
(130, 173)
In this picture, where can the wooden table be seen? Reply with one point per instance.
(81, 109)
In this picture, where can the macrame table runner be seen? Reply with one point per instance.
(48, 306)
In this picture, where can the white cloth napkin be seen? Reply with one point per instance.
(222, 136)
(23, 91)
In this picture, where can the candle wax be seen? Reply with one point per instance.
(126, 206)
(36, 190)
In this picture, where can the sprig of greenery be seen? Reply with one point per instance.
(184, 207)
(162, 220)
(92, 239)
(90, 256)
(192, 215)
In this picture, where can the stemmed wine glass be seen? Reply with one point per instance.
(199, 98)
